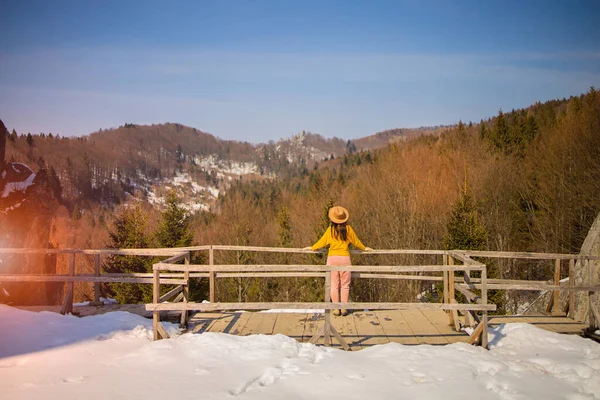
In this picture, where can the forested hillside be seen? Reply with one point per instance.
(103, 167)
(524, 180)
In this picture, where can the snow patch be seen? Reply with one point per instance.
(18, 186)
(113, 356)
(102, 299)
(213, 163)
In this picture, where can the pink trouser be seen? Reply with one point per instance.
(340, 280)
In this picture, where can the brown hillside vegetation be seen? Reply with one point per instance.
(103, 166)
(533, 176)
(391, 136)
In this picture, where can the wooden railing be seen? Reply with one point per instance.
(216, 271)
(182, 280)
(591, 286)
(176, 269)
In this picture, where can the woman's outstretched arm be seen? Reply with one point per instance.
(324, 241)
(355, 240)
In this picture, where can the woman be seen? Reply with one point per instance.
(339, 236)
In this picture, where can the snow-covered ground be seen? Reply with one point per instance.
(112, 356)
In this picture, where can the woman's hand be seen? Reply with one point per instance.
(307, 248)
(368, 249)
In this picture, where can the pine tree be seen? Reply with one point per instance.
(350, 147)
(461, 132)
(55, 184)
(280, 288)
(483, 133)
(500, 134)
(173, 230)
(530, 129)
(129, 233)
(285, 228)
(465, 231)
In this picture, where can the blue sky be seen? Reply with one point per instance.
(262, 70)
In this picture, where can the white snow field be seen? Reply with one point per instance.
(112, 356)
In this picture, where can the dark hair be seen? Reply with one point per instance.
(339, 231)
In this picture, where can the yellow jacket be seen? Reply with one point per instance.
(338, 247)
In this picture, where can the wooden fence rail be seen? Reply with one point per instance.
(217, 271)
(553, 305)
(176, 269)
(174, 255)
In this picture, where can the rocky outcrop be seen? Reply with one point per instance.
(591, 246)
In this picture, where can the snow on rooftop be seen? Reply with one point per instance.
(49, 356)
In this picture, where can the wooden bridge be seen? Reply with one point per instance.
(367, 324)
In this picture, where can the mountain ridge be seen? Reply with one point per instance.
(108, 166)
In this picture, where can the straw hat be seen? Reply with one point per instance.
(338, 214)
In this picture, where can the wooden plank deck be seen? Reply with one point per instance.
(360, 329)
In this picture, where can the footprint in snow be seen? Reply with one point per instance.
(26, 385)
(75, 379)
(419, 377)
(359, 377)
(268, 377)
(201, 371)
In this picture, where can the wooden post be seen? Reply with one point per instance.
(186, 293)
(327, 326)
(571, 303)
(469, 320)
(97, 273)
(484, 300)
(556, 293)
(452, 297)
(445, 274)
(327, 329)
(451, 281)
(67, 307)
(211, 279)
(476, 335)
(155, 300)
